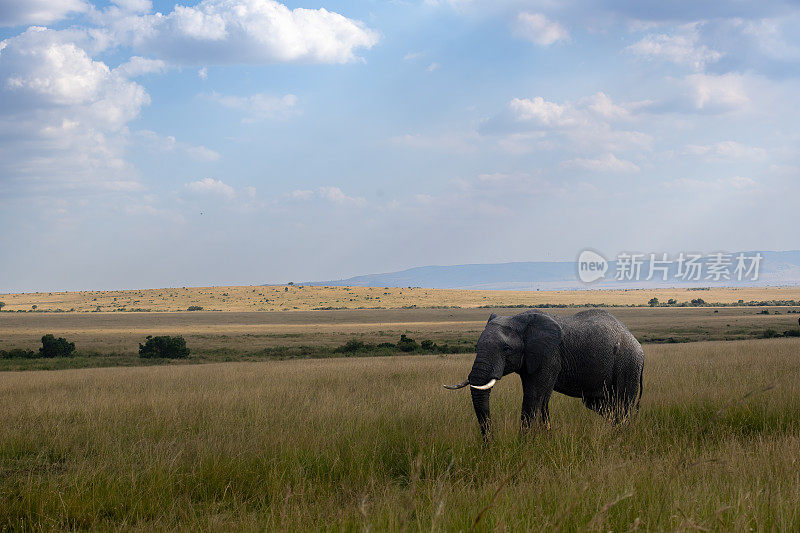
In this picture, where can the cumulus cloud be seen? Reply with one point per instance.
(212, 187)
(168, 144)
(139, 66)
(331, 194)
(24, 12)
(536, 28)
(535, 123)
(726, 150)
(602, 105)
(682, 47)
(606, 163)
(241, 32)
(717, 93)
(63, 115)
(133, 6)
(540, 113)
(257, 106)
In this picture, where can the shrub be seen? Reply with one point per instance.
(698, 302)
(428, 344)
(194, 308)
(769, 334)
(18, 353)
(164, 347)
(792, 333)
(672, 301)
(350, 347)
(653, 302)
(56, 347)
(2, 305)
(406, 344)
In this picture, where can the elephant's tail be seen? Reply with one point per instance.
(641, 374)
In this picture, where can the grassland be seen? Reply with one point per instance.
(377, 444)
(290, 298)
(110, 339)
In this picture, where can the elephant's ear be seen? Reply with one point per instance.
(542, 337)
(492, 317)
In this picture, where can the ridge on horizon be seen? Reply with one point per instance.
(777, 268)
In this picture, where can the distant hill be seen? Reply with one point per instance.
(776, 268)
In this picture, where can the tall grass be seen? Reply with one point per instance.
(376, 443)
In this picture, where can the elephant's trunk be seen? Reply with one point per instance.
(480, 401)
(481, 382)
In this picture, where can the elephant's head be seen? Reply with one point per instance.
(509, 344)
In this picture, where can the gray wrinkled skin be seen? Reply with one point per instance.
(590, 355)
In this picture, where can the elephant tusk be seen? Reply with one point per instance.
(485, 387)
(459, 386)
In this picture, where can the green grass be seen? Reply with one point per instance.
(376, 443)
(217, 355)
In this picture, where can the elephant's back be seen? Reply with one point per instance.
(596, 343)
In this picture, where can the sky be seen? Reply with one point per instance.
(222, 142)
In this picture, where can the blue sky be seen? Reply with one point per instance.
(149, 144)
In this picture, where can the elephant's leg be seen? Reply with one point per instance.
(545, 411)
(531, 403)
(535, 397)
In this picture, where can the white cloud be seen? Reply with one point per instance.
(726, 150)
(540, 113)
(202, 73)
(606, 163)
(537, 28)
(736, 183)
(602, 105)
(301, 194)
(134, 6)
(334, 195)
(768, 36)
(138, 66)
(257, 106)
(241, 32)
(682, 48)
(201, 153)
(25, 12)
(168, 144)
(63, 115)
(712, 92)
(535, 123)
(212, 187)
(433, 66)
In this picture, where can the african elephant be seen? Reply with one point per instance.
(590, 355)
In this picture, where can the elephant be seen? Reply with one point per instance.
(590, 355)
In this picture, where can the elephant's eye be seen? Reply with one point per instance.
(506, 349)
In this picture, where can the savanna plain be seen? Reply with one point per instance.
(277, 438)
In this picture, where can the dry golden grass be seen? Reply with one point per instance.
(121, 333)
(284, 298)
(377, 444)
